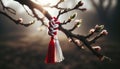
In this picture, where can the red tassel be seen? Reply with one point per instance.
(50, 58)
(54, 51)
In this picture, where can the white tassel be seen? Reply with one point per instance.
(58, 52)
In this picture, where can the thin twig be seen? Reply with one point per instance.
(8, 8)
(27, 11)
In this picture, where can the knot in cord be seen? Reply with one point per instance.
(53, 26)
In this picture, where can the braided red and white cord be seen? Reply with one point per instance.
(54, 50)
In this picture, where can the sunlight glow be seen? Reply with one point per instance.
(41, 28)
(45, 2)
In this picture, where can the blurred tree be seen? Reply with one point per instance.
(103, 8)
(108, 15)
(116, 22)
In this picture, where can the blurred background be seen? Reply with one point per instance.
(26, 47)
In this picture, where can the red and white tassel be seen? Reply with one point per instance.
(54, 50)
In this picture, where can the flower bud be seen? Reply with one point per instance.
(99, 27)
(78, 23)
(92, 31)
(97, 48)
(80, 3)
(73, 16)
(69, 39)
(77, 41)
(69, 20)
(20, 20)
(104, 32)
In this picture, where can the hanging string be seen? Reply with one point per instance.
(54, 50)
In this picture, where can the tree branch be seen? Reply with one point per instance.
(27, 11)
(81, 38)
(64, 10)
(32, 4)
(17, 21)
(94, 4)
(8, 8)
(108, 6)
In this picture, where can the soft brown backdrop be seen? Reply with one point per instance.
(25, 47)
